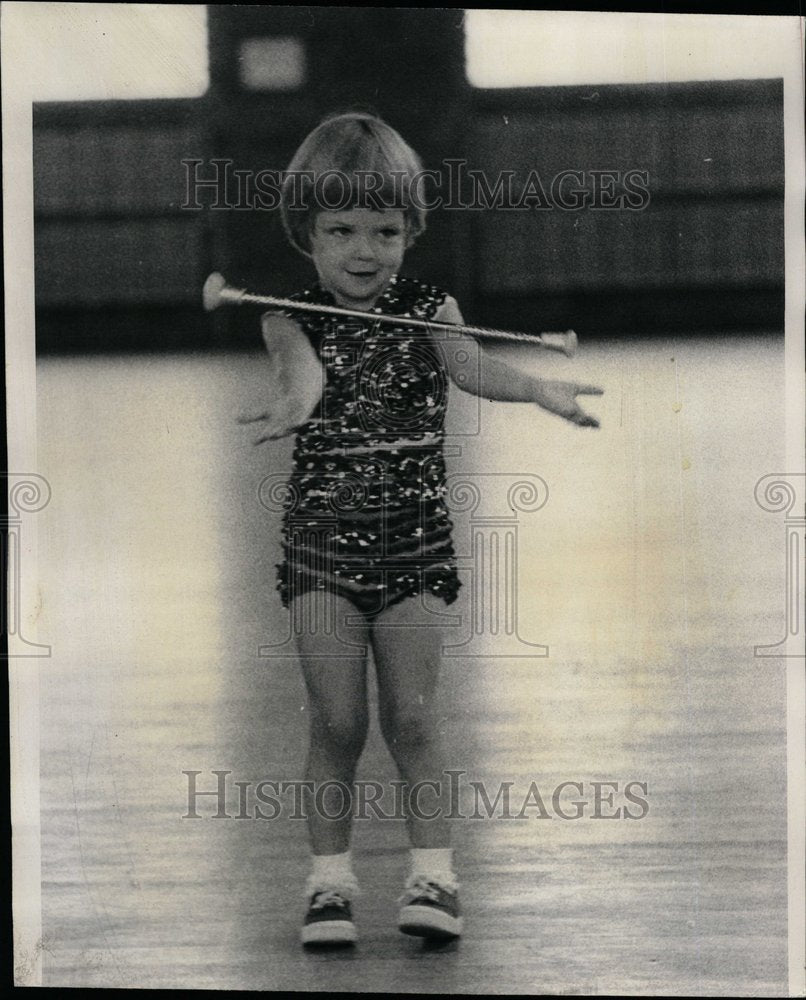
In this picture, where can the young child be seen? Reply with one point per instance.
(367, 535)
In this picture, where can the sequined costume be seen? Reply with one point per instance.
(364, 513)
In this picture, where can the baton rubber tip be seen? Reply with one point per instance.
(211, 293)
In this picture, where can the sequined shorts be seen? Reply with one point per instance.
(373, 564)
(376, 590)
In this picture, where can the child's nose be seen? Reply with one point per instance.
(364, 247)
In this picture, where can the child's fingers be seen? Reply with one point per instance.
(583, 419)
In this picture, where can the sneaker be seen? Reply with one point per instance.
(329, 920)
(430, 909)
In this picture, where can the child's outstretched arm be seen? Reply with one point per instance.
(293, 380)
(494, 379)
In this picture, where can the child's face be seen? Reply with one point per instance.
(356, 252)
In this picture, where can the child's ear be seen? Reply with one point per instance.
(415, 227)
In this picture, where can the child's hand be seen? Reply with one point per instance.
(293, 379)
(560, 398)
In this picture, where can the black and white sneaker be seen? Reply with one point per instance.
(329, 920)
(430, 909)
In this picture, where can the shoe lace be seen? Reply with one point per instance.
(327, 898)
(420, 887)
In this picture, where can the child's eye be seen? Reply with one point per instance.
(390, 233)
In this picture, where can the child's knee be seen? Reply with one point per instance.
(342, 734)
(407, 726)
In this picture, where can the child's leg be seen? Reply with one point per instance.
(407, 662)
(337, 710)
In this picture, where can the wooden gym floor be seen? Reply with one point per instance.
(650, 574)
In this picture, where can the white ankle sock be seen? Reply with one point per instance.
(435, 863)
(332, 871)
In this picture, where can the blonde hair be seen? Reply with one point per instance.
(349, 160)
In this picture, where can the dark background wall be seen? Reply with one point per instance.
(120, 258)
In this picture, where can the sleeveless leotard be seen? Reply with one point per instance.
(364, 512)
